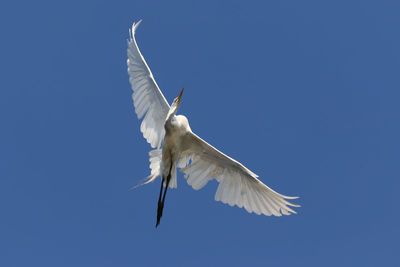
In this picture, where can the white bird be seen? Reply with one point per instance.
(176, 146)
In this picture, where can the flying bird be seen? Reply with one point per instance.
(176, 146)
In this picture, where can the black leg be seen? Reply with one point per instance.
(159, 209)
(161, 202)
(165, 191)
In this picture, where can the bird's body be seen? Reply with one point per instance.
(176, 146)
(175, 130)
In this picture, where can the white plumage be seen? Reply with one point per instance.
(147, 97)
(178, 147)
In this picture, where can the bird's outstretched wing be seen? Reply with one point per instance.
(147, 97)
(201, 162)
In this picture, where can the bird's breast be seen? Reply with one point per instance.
(177, 125)
(175, 129)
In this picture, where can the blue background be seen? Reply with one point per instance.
(304, 93)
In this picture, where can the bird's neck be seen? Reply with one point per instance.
(171, 113)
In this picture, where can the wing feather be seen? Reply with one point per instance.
(148, 99)
(237, 185)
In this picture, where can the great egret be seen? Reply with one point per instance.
(176, 146)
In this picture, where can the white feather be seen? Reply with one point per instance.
(237, 185)
(147, 97)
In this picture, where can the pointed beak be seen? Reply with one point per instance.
(180, 95)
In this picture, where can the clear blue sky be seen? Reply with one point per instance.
(304, 93)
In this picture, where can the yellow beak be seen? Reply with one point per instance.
(180, 95)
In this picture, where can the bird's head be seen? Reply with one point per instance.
(175, 105)
(177, 100)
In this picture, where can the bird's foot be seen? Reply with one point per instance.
(159, 212)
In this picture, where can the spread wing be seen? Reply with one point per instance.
(149, 102)
(201, 162)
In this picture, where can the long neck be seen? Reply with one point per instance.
(172, 111)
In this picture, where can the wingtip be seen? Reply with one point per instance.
(133, 29)
(291, 204)
(287, 197)
(136, 24)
